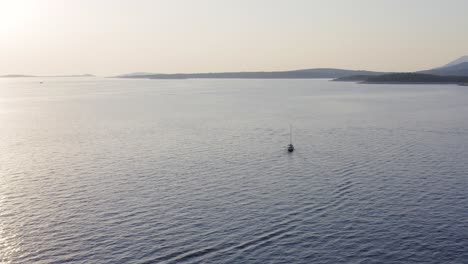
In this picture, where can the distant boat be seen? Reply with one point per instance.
(290, 146)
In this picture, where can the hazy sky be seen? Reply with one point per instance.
(106, 37)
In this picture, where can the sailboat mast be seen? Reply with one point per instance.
(290, 134)
(290, 147)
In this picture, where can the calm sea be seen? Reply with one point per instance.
(196, 171)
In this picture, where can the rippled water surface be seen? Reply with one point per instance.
(195, 171)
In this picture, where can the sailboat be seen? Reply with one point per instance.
(290, 146)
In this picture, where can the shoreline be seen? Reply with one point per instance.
(417, 83)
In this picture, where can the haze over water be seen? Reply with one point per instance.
(195, 171)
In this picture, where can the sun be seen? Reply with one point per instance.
(15, 13)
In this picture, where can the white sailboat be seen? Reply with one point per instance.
(290, 146)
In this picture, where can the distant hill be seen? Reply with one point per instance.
(457, 61)
(297, 74)
(353, 78)
(79, 75)
(15, 76)
(455, 72)
(404, 78)
(460, 69)
(134, 74)
(33, 76)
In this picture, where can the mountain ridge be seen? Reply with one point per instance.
(460, 69)
(316, 73)
(456, 62)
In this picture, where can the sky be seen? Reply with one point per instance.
(109, 37)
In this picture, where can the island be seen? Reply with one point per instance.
(45, 76)
(405, 78)
(16, 76)
(325, 73)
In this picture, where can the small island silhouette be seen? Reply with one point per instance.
(455, 72)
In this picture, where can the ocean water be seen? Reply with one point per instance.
(98, 170)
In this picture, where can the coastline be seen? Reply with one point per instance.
(417, 83)
(407, 78)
